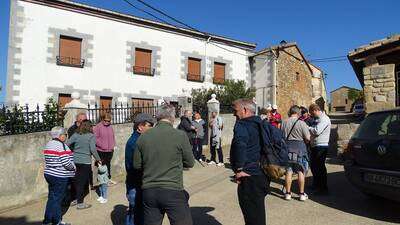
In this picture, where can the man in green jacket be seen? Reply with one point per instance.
(162, 153)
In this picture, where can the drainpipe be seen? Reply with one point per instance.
(274, 77)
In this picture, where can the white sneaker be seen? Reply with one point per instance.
(99, 199)
(200, 160)
(103, 201)
(303, 197)
(288, 196)
(220, 164)
(211, 163)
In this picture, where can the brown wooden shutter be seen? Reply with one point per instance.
(194, 69)
(143, 105)
(63, 99)
(142, 60)
(70, 47)
(105, 102)
(219, 72)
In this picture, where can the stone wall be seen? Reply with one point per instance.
(294, 80)
(339, 99)
(21, 162)
(340, 136)
(379, 87)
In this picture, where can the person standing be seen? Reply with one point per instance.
(105, 142)
(162, 153)
(296, 133)
(245, 153)
(142, 123)
(305, 116)
(320, 133)
(85, 147)
(275, 117)
(186, 125)
(58, 169)
(102, 178)
(216, 125)
(79, 118)
(198, 124)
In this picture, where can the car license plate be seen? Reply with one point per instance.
(382, 179)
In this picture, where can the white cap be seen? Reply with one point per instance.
(274, 107)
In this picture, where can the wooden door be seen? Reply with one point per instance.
(63, 99)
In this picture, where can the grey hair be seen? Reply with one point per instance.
(80, 114)
(57, 131)
(166, 112)
(246, 103)
(294, 110)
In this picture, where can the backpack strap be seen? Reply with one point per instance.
(290, 132)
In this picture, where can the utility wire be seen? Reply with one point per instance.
(150, 14)
(170, 17)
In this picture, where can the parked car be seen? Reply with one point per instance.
(373, 155)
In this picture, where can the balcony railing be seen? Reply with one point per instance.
(69, 61)
(195, 77)
(143, 70)
(218, 80)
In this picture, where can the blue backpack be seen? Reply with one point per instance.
(274, 152)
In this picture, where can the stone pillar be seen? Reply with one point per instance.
(213, 104)
(73, 108)
(379, 87)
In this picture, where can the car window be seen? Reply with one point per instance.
(379, 125)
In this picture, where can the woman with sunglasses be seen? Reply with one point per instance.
(105, 142)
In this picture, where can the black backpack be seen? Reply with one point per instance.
(274, 152)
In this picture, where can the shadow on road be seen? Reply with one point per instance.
(200, 216)
(118, 214)
(344, 197)
(17, 221)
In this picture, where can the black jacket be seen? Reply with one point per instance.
(246, 146)
(186, 126)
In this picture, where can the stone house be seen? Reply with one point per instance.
(340, 101)
(377, 66)
(319, 93)
(281, 75)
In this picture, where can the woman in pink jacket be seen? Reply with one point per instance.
(105, 141)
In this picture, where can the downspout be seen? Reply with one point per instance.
(274, 77)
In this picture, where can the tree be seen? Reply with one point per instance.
(355, 95)
(226, 94)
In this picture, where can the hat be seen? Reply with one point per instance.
(144, 117)
(274, 107)
(56, 132)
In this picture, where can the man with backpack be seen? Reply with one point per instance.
(245, 153)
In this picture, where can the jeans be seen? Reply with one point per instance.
(57, 190)
(251, 192)
(103, 190)
(135, 213)
(106, 159)
(82, 176)
(197, 148)
(158, 201)
(318, 168)
(219, 150)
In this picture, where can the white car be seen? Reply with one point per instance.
(358, 109)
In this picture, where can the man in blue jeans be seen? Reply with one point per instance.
(142, 123)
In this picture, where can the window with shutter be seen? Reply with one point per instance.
(143, 105)
(70, 52)
(143, 62)
(219, 73)
(194, 70)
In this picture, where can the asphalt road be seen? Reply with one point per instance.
(214, 201)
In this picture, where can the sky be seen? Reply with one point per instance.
(321, 28)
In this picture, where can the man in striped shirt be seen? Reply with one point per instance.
(59, 168)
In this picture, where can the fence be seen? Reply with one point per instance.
(22, 119)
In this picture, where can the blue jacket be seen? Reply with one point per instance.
(246, 146)
(133, 176)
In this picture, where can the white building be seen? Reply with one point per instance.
(57, 47)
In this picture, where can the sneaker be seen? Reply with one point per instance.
(303, 197)
(74, 202)
(99, 198)
(64, 223)
(288, 196)
(200, 160)
(103, 201)
(211, 163)
(220, 164)
(81, 206)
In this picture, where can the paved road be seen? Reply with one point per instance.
(213, 202)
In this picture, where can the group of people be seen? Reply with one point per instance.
(68, 164)
(156, 154)
(306, 135)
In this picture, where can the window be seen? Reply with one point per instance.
(194, 70)
(346, 101)
(70, 52)
(143, 105)
(297, 76)
(105, 102)
(63, 99)
(143, 62)
(219, 73)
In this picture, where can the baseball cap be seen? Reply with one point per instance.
(144, 117)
